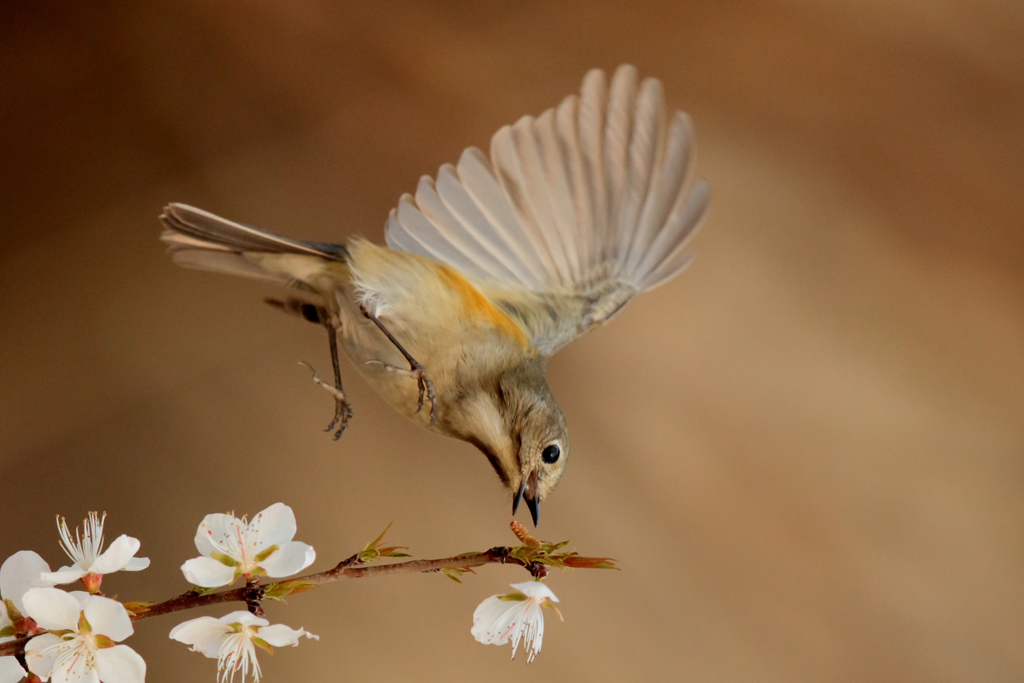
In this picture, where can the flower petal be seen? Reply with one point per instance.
(244, 618)
(53, 609)
(273, 526)
(535, 589)
(207, 572)
(108, 617)
(492, 620)
(81, 596)
(116, 556)
(289, 559)
(18, 573)
(280, 635)
(203, 634)
(120, 664)
(10, 670)
(61, 576)
(136, 564)
(39, 663)
(220, 533)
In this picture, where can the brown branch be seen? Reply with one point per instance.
(350, 568)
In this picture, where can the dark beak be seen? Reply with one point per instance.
(518, 497)
(532, 501)
(534, 506)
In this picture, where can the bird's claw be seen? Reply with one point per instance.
(342, 414)
(342, 409)
(425, 386)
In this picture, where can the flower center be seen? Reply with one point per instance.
(237, 653)
(236, 544)
(76, 652)
(87, 545)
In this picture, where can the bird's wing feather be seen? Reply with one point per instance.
(576, 211)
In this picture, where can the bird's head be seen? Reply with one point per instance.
(515, 421)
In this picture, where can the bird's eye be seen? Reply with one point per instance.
(551, 454)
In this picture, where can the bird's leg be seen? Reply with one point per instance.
(424, 383)
(342, 409)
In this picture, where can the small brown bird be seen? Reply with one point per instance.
(490, 269)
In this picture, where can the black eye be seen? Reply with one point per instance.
(551, 454)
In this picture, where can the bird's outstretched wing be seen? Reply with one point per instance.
(577, 211)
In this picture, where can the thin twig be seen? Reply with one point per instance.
(346, 569)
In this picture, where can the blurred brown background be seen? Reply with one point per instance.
(806, 452)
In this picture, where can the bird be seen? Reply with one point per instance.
(489, 268)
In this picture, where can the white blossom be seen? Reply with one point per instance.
(232, 640)
(232, 547)
(18, 573)
(90, 561)
(516, 616)
(16, 576)
(10, 670)
(82, 644)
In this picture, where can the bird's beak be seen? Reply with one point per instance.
(528, 490)
(534, 505)
(518, 497)
(530, 493)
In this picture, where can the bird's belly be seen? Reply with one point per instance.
(441, 320)
(383, 366)
(373, 354)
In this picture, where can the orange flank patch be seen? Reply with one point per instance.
(476, 304)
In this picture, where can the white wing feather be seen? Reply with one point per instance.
(577, 210)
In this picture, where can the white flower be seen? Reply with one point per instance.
(90, 561)
(16, 576)
(18, 573)
(232, 640)
(10, 669)
(233, 547)
(516, 616)
(82, 645)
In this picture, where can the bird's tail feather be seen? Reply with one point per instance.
(199, 239)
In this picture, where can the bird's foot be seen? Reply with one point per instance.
(342, 408)
(423, 383)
